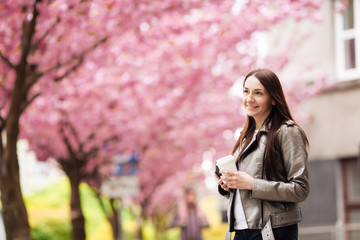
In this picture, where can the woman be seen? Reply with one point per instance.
(272, 176)
(189, 217)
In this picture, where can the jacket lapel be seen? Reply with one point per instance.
(253, 143)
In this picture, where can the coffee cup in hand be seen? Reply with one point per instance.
(226, 163)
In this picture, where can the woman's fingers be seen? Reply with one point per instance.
(227, 173)
(223, 185)
(239, 180)
(229, 176)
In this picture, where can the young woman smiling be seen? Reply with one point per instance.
(272, 176)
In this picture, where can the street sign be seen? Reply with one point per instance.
(124, 180)
(125, 164)
(121, 186)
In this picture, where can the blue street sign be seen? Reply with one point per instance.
(126, 164)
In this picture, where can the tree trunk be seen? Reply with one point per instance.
(14, 211)
(77, 216)
(115, 221)
(114, 218)
(141, 218)
(140, 229)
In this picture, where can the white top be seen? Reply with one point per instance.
(240, 219)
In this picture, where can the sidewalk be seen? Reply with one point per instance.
(2, 229)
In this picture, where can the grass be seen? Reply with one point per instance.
(49, 217)
(49, 212)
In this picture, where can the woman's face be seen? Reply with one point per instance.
(257, 101)
(190, 197)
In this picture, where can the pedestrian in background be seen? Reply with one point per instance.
(189, 217)
(271, 158)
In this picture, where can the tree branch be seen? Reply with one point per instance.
(80, 152)
(32, 77)
(37, 43)
(111, 217)
(73, 132)
(80, 58)
(7, 61)
(75, 57)
(2, 126)
(92, 152)
(28, 33)
(101, 203)
(28, 102)
(72, 69)
(67, 143)
(73, 161)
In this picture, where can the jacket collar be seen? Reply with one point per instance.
(253, 143)
(264, 129)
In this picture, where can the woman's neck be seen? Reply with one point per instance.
(258, 125)
(260, 122)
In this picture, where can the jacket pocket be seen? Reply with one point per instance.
(286, 218)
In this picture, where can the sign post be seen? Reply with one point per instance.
(123, 182)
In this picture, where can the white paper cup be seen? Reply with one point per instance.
(226, 163)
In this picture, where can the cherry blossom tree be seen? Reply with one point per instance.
(170, 110)
(171, 61)
(78, 128)
(33, 43)
(41, 43)
(186, 107)
(47, 41)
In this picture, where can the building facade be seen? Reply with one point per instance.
(329, 49)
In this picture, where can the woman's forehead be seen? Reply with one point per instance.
(253, 83)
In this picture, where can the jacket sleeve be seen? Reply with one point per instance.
(296, 188)
(223, 192)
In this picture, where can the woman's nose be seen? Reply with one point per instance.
(250, 98)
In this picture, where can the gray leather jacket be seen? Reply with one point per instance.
(276, 200)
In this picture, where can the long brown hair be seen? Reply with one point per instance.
(279, 114)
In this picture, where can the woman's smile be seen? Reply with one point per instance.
(251, 107)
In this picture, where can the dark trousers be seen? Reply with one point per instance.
(283, 233)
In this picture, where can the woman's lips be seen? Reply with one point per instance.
(251, 107)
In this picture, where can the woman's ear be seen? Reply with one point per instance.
(273, 102)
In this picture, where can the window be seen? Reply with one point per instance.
(347, 40)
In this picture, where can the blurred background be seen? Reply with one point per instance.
(110, 110)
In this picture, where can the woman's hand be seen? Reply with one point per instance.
(222, 184)
(237, 180)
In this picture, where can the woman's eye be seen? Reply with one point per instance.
(258, 93)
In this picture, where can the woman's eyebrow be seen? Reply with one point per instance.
(257, 89)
